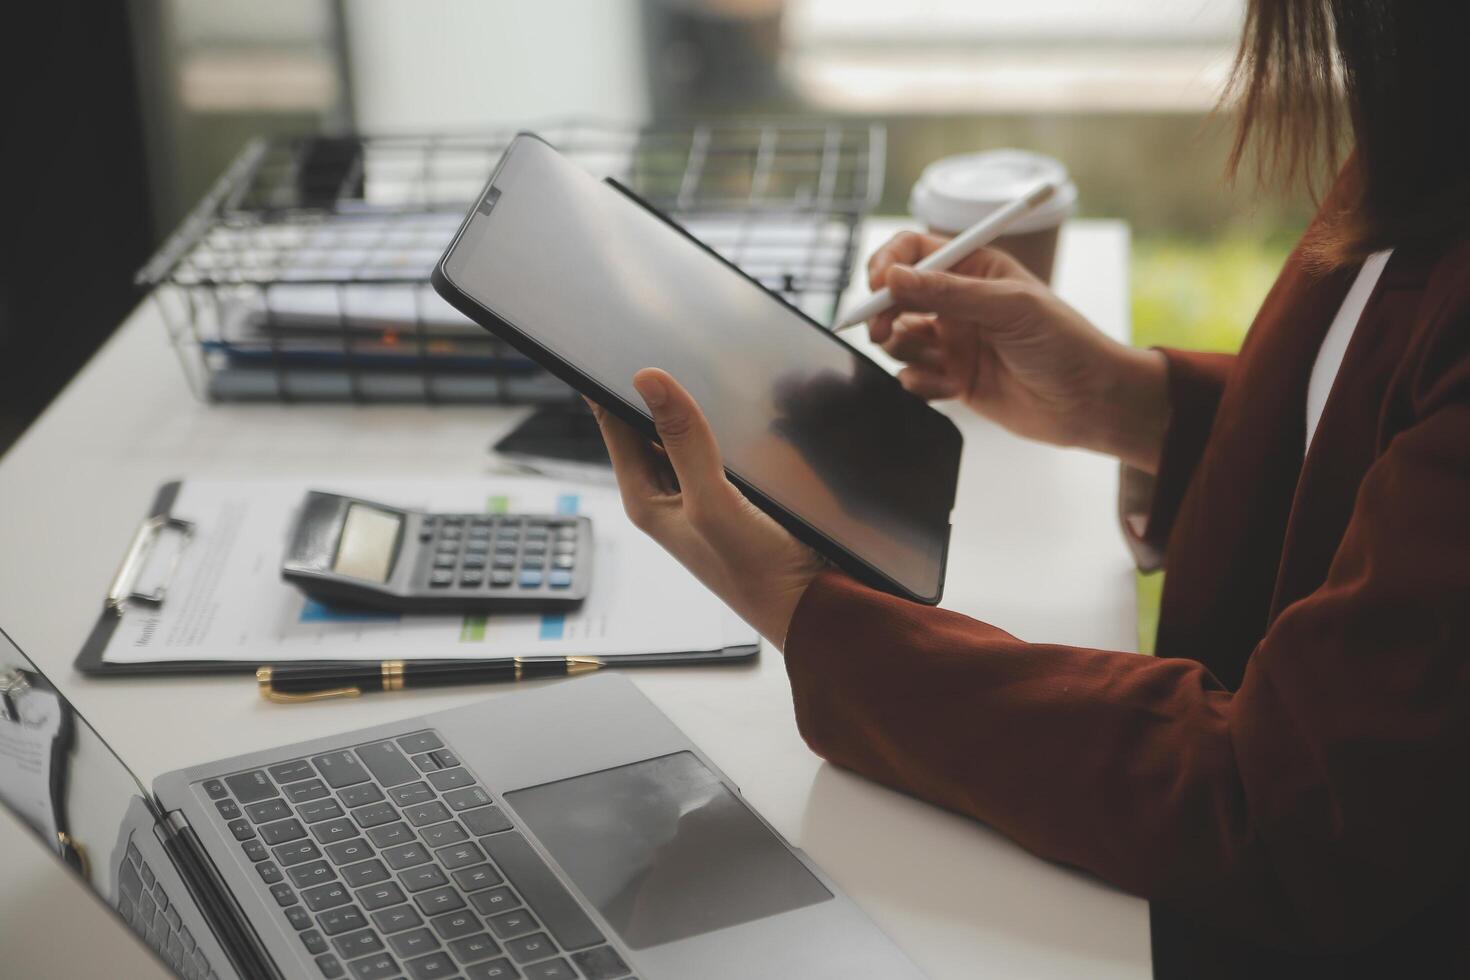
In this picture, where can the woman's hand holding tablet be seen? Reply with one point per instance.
(680, 497)
(596, 286)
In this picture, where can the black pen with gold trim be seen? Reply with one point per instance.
(287, 683)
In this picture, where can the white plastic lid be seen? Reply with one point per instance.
(955, 192)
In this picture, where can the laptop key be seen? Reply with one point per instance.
(405, 856)
(269, 873)
(354, 944)
(375, 814)
(251, 787)
(494, 901)
(340, 769)
(396, 918)
(326, 896)
(460, 855)
(445, 758)
(380, 896)
(430, 967)
(311, 789)
(241, 829)
(313, 941)
(364, 873)
(267, 811)
(425, 813)
(557, 969)
(427, 762)
(420, 742)
(375, 967)
(602, 963)
(360, 795)
(388, 763)
(216, 789)
(296, 852)
(298, 917)
(467, 798)
(444, 899)
(281, 832)
(480, 876)
(546, 895)
(319, 810)
(457, 925)
(500, 969)
(416, 942)
(230, 811)
(528, 949)
(331, 831)
(349, 851)
(423, 877)
(508, 925)
(314, 873)
(339, 920)
(132, 884)
(290, 772)
(391, 835)
(330, 966)
(472, 949)
(254, 850)
(485, 820)
(283, 894)
(412, 793)
(451, 779)
(443, 834)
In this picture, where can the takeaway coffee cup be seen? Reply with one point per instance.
(955, 192)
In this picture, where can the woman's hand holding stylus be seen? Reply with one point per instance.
(997, 338)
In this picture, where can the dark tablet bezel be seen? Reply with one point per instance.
(822, 543)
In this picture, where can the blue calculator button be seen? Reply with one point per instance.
(560, 579)
(530, 580)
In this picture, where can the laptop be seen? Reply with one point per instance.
(567, 831)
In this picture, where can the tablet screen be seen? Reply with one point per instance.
(608, 287)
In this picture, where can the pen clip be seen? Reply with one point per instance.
(263, 684)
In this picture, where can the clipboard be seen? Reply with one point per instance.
(20, 689)
(126, 590)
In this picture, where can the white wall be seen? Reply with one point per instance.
(455, 65)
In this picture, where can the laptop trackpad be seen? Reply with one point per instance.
(665, 851)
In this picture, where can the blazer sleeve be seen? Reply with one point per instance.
(1196, 384)
(1320, 806)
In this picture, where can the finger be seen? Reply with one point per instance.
(880, 327)
(635, 463)
(905, 248)
(928, 384)
(689, 443)
(912, 333)
(992, 303)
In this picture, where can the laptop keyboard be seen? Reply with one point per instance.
(389, 859)
(143, 905)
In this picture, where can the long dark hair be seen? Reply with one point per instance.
(1387, 80)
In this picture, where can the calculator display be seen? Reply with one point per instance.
(369, 537)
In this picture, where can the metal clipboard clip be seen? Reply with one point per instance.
(123, 590)
(14, 683)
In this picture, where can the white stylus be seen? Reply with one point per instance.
(981, 233)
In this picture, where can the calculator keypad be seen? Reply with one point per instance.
(502, 556)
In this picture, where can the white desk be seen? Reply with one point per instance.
(1035, 551)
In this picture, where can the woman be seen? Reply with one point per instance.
(1289, 780)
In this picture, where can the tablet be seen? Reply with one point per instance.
(594, 285)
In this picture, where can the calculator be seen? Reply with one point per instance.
(354, 552)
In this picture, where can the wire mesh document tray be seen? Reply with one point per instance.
(303, 275)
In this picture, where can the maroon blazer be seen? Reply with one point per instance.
(1289, 779)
